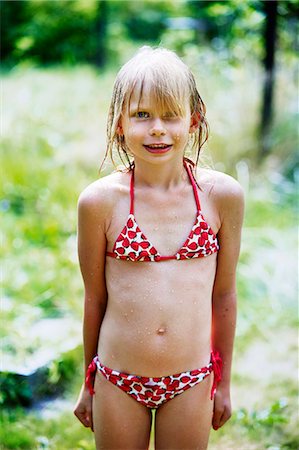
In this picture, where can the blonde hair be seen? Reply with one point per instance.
(172, 83)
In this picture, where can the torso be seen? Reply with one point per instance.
(158, 316)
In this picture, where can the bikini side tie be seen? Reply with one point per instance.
(217, 364)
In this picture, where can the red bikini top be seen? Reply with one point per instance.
(132, 244)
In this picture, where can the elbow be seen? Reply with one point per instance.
(95, 303)
(223, 292)
(226, 299)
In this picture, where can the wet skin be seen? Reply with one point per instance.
(158, 317)
(154, 318)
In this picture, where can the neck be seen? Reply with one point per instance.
(163, 176)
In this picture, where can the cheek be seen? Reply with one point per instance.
(133, 136)
(180, 134)
(133, 133)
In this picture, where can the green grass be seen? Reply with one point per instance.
(52, 151)
(28, 431)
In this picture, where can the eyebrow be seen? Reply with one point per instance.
(139, 108)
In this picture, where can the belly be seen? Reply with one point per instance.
(158, 317)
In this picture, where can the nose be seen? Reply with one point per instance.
(157, 128)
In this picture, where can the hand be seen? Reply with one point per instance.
(83, 408)
(222, 407)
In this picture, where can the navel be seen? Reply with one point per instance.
(161, 331)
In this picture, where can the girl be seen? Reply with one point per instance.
(158, 246)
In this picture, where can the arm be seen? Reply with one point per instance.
(224, 301)
(91, 251)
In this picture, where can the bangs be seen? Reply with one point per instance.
(162, 85)
(161, 97)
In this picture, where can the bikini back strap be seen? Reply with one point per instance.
(132, 192)
(191, 176)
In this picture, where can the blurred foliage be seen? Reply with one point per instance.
(53, 139)
(46, 382)
(14, 390)
(48, 31)
(73, 31)
(260, 429)
(51, 154)
(31, 431)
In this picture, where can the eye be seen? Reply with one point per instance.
(142, 115)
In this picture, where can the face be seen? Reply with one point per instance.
(153, 135)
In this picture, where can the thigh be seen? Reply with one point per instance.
(120, 422)
(184, 423)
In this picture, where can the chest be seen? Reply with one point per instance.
(166, 219)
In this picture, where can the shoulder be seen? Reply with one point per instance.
(220, 185)
(226, 193)
(99, 197)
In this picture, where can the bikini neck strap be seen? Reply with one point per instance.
(191, 178)
(193, 182)
(132, 191)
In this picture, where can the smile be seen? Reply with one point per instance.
(158, 148)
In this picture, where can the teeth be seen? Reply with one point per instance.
(158, 146)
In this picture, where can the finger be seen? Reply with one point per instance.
(217, 415)
(90, 420)
(83, 418)
(225, 416)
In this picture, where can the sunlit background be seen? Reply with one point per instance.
(59, 61)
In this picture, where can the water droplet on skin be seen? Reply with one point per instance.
(132, 310)
(112, 356)
(148, 332)
(160, 308)
(194, 303)
(156, 228)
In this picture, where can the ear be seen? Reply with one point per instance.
(194, 122)
(119, 128)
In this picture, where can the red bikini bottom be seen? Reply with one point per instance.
(154, 391)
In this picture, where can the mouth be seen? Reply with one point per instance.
(158, 148)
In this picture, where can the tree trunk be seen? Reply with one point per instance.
(101, 33)
(270, 8)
